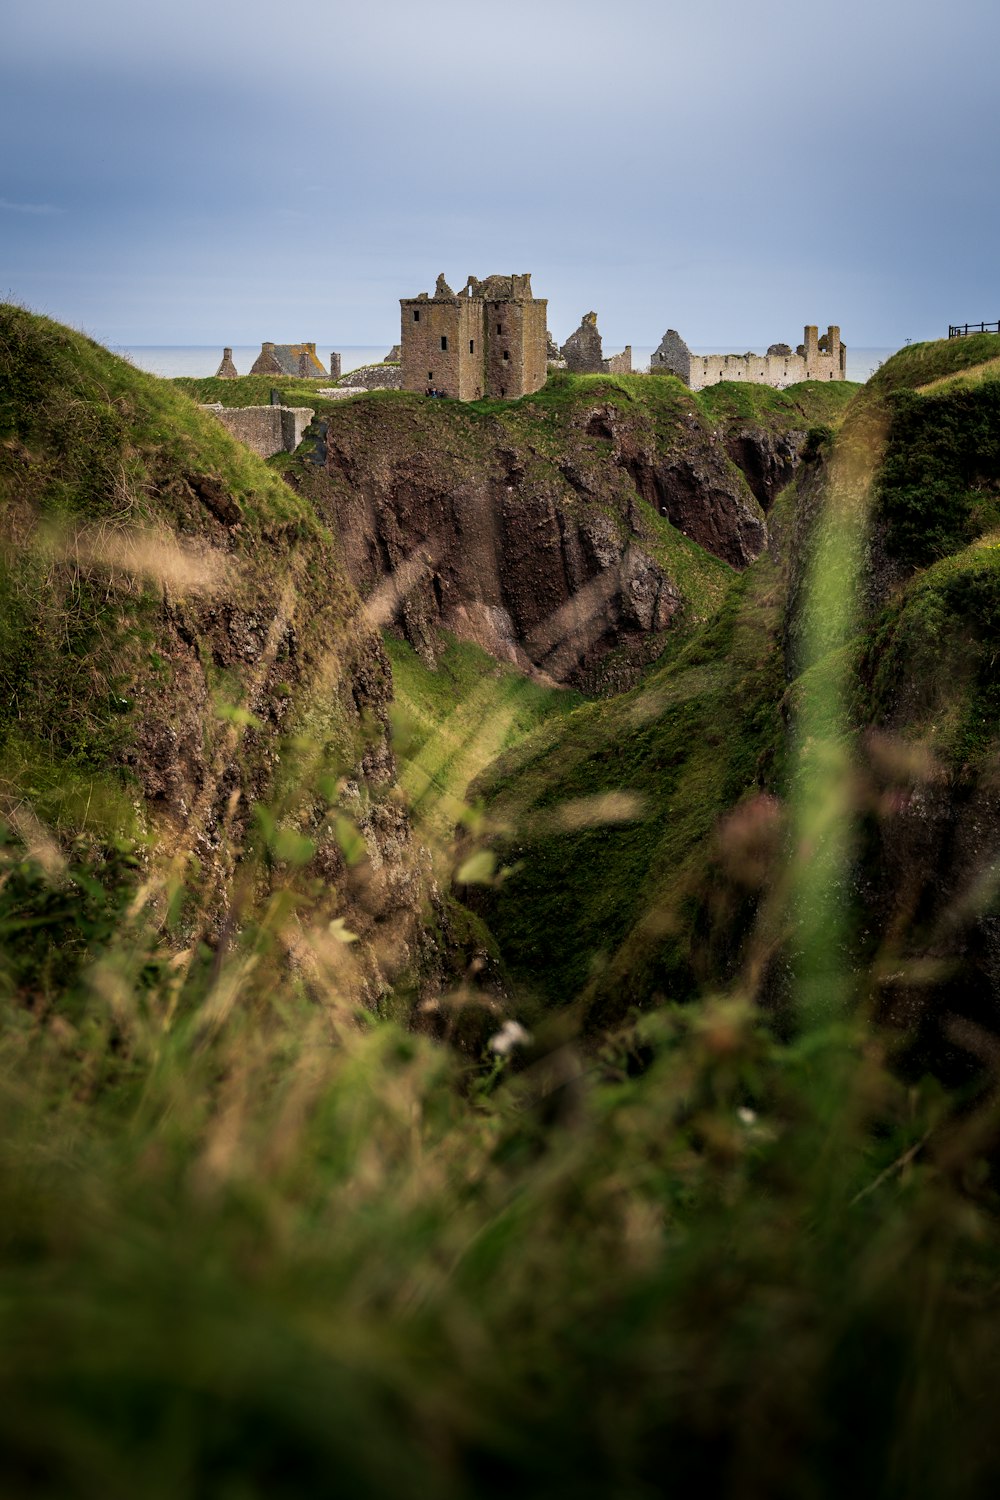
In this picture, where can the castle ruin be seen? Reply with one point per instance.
(816, 358)
(290, 359)
(583, 352)
(489, 339)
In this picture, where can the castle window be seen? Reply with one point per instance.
(472, 346)
(416, 315)
(499, 329)
(506, 354)
(430, 374)
(444, 341)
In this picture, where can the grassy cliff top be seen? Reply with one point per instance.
(811, 403)
(255, 390)
(921, 364)
(144, 557)
(84, 432)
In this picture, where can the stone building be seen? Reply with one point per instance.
(487, 340)
(815, 358)
(583, 352)
(290, 359)
(227, 370)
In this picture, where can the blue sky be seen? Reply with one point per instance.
(231, 170)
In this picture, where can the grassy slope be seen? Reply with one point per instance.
(251, 1247)
(620, 913)
(927, 662)
(602, 910)
(450, 722)
(94, 453)
(811, 403)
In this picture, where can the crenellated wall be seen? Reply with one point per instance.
(816, 358)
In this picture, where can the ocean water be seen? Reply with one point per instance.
(202, 359)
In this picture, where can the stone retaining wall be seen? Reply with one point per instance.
(265, 429)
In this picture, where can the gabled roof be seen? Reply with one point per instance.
(288, 359)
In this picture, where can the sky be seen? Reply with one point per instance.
(227, 171)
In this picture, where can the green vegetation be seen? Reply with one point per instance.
(920, 364)
(811, 403)
(145, 558)
(264, 1247)
(708, 1227)
(255, 390)
(930, 666)
(939, 485)
(605, 902)
(87, 434)
(451, 720)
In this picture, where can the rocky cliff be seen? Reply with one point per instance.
(568, 532)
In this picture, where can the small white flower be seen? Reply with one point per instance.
(511, 1034)
(748, 1116)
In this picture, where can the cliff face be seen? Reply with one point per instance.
(567, 532)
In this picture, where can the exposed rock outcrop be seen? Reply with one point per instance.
(546, 546)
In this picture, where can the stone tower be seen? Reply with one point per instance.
(487, 340)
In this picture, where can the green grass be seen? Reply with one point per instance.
(449, 722)
(269, 1248)
(256, 1241)
(255, 390)
(811, 403)
(601, 914)
(144, 553)
(920, 364)
(929, 667)
(939, 482)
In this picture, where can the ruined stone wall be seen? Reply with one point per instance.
(815, 359)
(672, 357)
(265, 429)
(583, 351)
(379, 377)
(619, 364)
(763, 369)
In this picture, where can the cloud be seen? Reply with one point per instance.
(29, 208)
